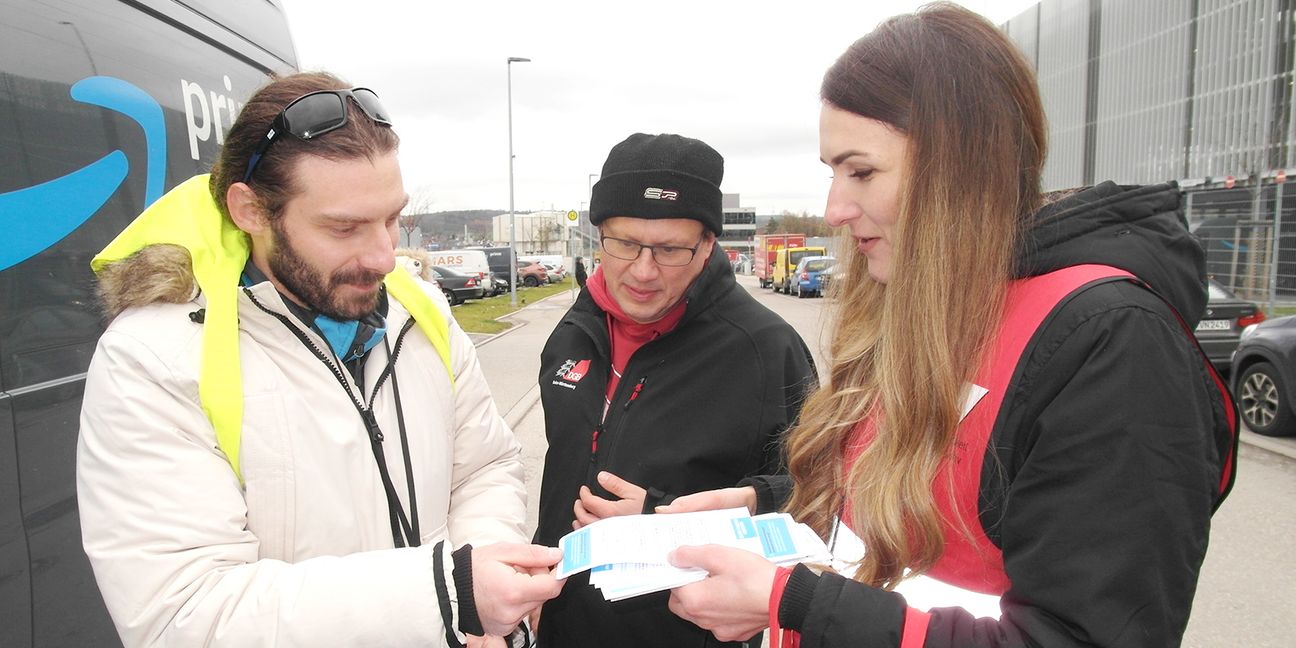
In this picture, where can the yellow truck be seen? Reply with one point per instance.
(785, 262)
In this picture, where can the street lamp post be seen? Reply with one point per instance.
(512, 216)
(590, 195)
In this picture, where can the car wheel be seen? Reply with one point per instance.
(800, 292)
(530, 281)
(450, 296)
(1262, 400)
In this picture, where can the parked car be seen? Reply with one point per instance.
(553, 264)
(806, 277)
(500, 283)
(1220, 328)
(471, 262)
(1264, 376)
(458, 287)
(826, 277)
(531, 273)
(554, 272)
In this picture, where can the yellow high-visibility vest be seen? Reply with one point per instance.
(187, 216)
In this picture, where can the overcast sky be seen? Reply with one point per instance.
(742, 76)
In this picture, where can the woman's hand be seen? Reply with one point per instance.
(591, 508)
(733, 601)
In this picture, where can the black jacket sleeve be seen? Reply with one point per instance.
(1104, 471)
(772, 491)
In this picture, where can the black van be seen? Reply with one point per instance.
(498, 260)
(104, 106)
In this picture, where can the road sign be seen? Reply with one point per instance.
(572, 218)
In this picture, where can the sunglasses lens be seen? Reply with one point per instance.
(315, 114)
(369, 102)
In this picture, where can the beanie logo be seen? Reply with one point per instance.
(660, 194)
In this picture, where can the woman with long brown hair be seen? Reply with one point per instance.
(1016, 404)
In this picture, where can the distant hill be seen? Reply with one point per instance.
(447, 227)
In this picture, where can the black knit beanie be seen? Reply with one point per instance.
(660, 176)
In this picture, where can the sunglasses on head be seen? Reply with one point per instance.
(314, 114)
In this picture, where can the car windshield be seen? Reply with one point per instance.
(818, 265)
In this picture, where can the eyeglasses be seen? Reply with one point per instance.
(315, 114)
(667, 255)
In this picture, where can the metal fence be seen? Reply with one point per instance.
(1237, 228)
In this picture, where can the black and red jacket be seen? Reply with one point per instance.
(1110, 450)
(698, 408)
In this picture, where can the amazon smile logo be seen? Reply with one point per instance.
(35, 218)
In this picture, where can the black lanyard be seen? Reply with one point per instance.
(405, 529)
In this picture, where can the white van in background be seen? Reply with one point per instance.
(469, 261)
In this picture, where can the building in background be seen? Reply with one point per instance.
(739, 231)
(1195, 91)
(539, 232)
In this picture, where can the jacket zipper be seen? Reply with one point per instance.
(592, 470)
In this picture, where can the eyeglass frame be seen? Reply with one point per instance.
(280, 123)
(652, 250)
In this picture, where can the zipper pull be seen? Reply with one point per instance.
(371, 422)
(634, 394)
(594, 441)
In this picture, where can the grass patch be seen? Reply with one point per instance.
(482, 315)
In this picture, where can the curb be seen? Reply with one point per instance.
(1281, 447)
(523, 407)
(510, 329)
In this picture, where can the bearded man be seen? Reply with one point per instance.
(284, 442)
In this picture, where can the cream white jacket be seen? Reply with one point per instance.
(302, 553)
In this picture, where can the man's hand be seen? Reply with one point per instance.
(713, 500)
(733, 600)
(591, 508)
(511, 580)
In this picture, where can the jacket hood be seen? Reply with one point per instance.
(716, 280)
(158, 274)
(1139, 229)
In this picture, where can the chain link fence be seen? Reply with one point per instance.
(1237, 228)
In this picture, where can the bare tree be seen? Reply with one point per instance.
(419, 205)
(547, 233)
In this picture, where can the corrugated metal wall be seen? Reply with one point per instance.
(1197, 91)
(1155, 90)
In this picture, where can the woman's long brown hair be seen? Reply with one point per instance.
(903, 352)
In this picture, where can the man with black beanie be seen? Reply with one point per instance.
(665, 378)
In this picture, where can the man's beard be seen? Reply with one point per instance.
(319, 293)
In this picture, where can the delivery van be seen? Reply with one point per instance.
(104, 106)
(467, 261)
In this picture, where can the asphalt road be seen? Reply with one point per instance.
(1248, 582)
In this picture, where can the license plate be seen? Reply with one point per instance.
(1214, 325)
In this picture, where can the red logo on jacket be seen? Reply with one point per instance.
(571, 373)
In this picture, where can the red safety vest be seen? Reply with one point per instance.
(977, 564)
